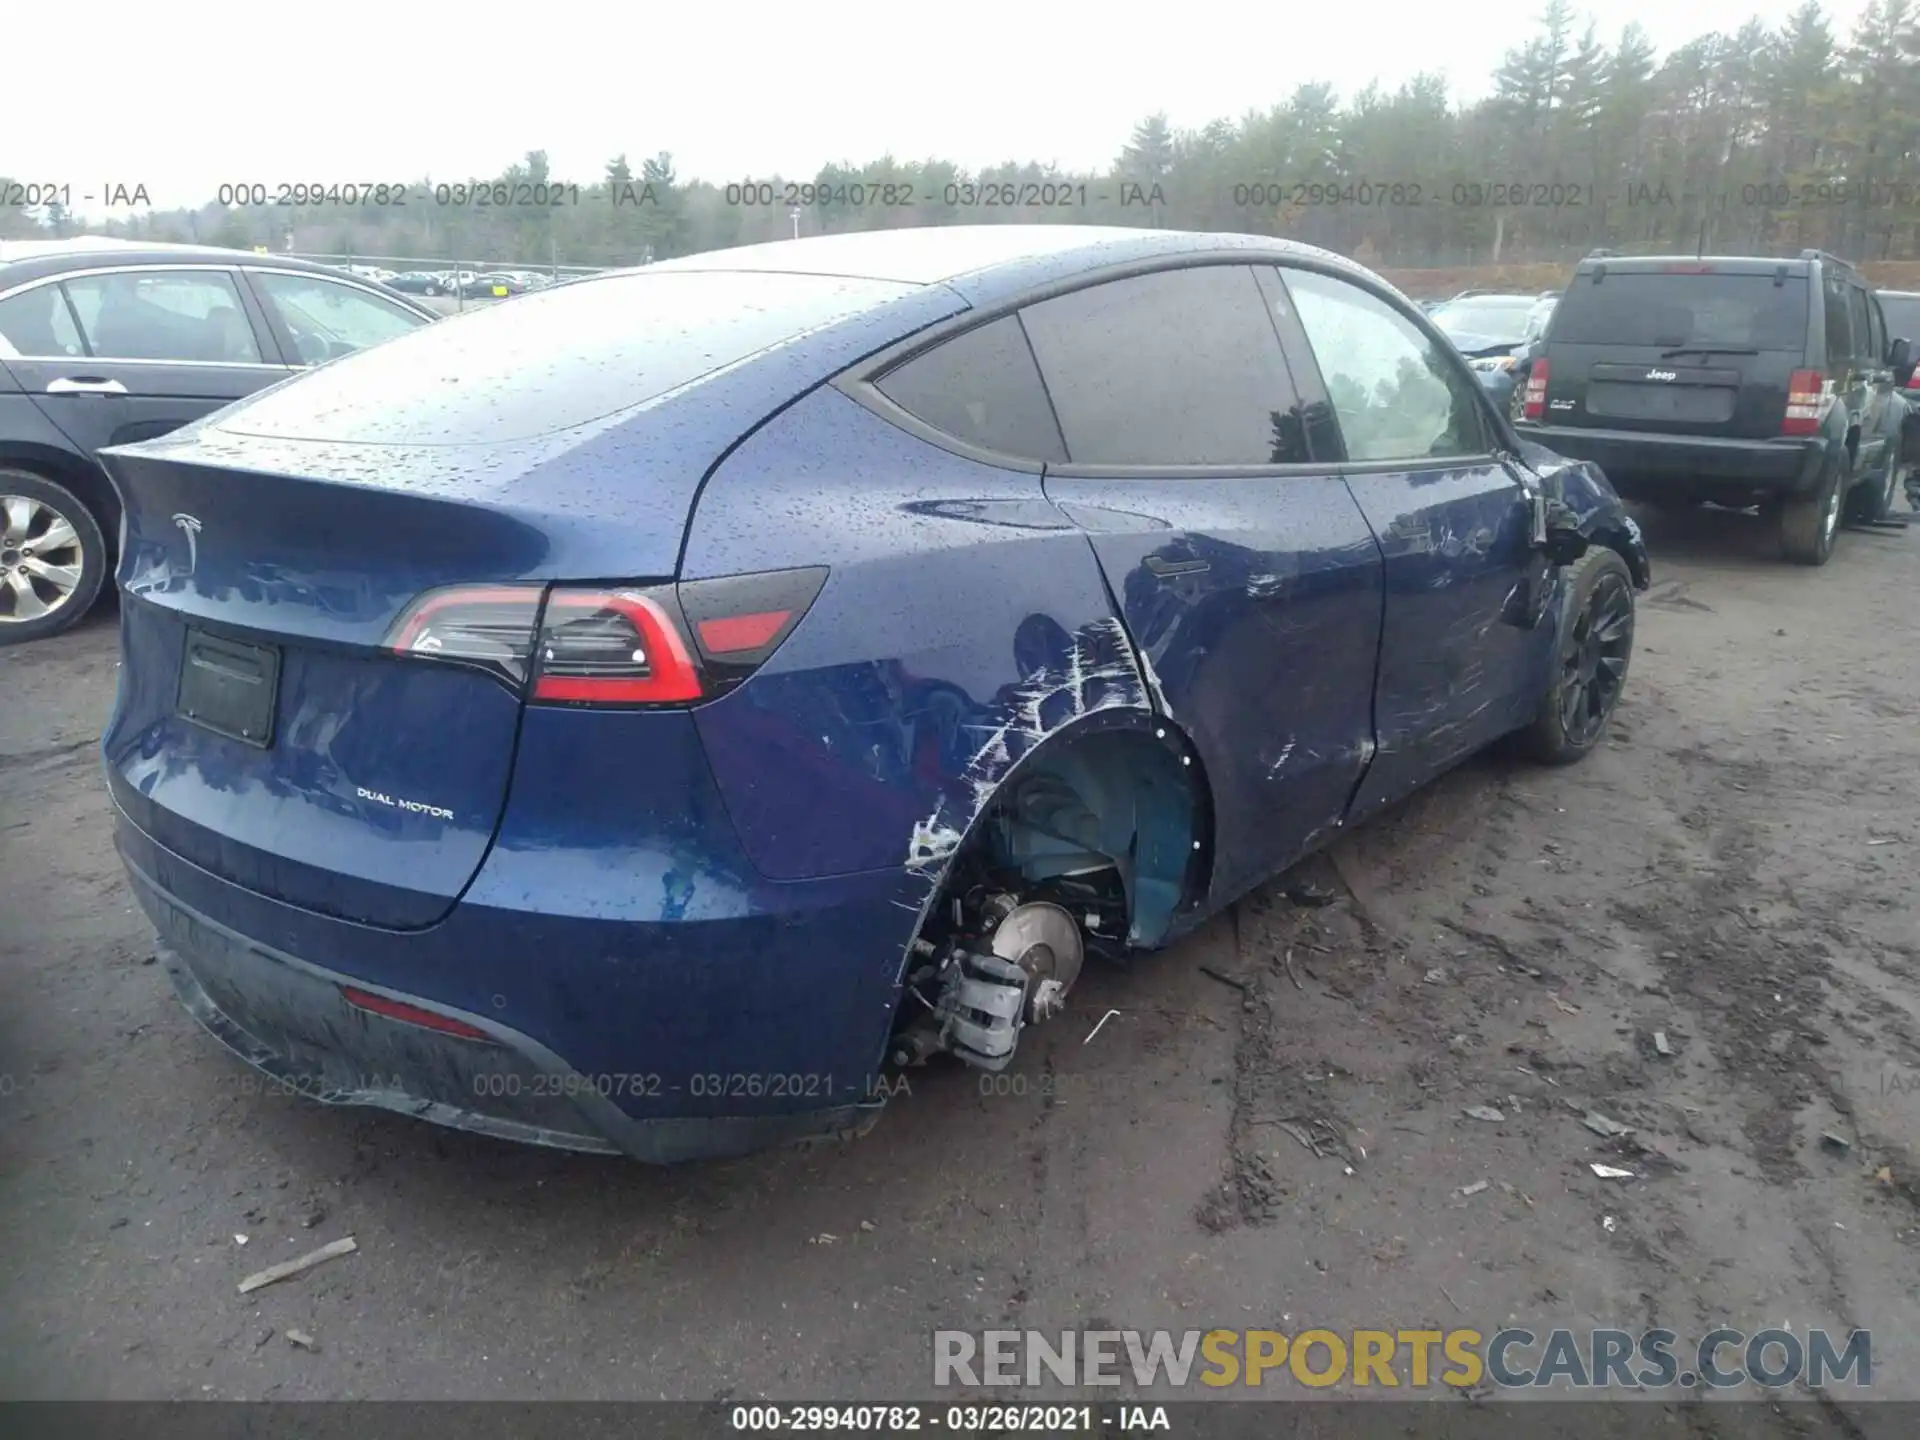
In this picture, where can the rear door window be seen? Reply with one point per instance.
(1177, 368)
(982, 388)
(160, 314)
(1662, 310)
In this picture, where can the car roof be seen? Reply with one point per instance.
(1900, 294)
(23, 260)
(990, 263)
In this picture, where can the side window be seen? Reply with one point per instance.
(981, 387)
(327, 319)
(36, 323)
(1180, 367)
(1863, 345)
(164, 315)
(1839, 324)
(1395, 393)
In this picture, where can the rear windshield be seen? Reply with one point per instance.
(1669, 311)
(1903, 316)
(552, 359)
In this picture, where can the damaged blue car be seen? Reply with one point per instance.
(639, 717)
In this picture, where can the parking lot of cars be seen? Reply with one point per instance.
(1733, 872)
(972, 786)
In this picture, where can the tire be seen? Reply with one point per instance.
(53, 559)
(1590, 664)
(1810, 523)
(1868, 503)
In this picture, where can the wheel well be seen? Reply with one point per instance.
(87, 481)
(1128, 798)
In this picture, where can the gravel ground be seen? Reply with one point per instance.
(1270, 1133)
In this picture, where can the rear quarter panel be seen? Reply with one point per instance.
(963, 620)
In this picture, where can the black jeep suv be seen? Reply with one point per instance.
(1742, 381)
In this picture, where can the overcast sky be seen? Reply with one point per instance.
(183, 98)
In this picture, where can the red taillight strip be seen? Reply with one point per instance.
(411, 1014)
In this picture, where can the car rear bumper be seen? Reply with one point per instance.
(1637, 460)
(285, 1013)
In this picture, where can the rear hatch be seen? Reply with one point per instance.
(1686, 349)
(276, 554)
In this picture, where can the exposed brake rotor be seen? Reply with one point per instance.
(1043, 940)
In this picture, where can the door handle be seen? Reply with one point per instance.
(1164, 568)
(68, 385)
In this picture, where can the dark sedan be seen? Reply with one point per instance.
(638, 717)
(104, 342)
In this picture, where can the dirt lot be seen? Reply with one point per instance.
(1278, 1143)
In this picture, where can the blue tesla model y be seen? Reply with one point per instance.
(639, 717)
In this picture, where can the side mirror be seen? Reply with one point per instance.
(1555, 532)
(1900, 355)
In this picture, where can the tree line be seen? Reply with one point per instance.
(1767, 139)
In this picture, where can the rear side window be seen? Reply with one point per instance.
(983, 388)
(1863, 345)
(1181, 367)
(1839, 323)
(556, 358)
(1672, 311)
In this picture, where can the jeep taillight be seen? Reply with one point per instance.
(1534, 402)
(1804, 393)
(611, 645)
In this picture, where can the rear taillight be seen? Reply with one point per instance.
(1804, 394)
(1534, 402)
(488, 626)
(612, 645)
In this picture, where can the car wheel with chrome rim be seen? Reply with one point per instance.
(53, 559)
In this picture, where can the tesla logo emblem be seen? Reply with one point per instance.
(190, 528)
(1660, 375)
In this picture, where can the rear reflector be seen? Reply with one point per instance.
(1534, 402)
(741, 632)
(411, 1014)
(1805, 391)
